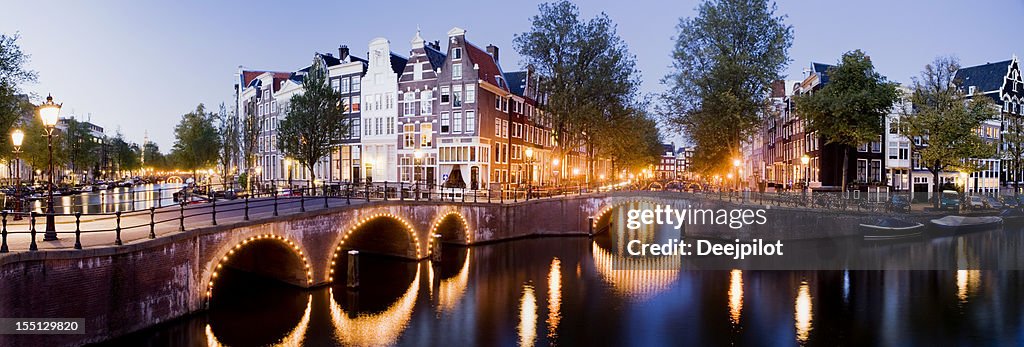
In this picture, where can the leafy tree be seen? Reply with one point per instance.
(154, 158)
(630, 140)
(850, 109)
(585, 70)
(196, 143)
(946, 121)
(227, 129)
(125, 156)
(82, 148)
(314, 123)
(251, 126)
(13, 73)
(724, 62)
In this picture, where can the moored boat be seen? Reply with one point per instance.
(891, 229)
(964, 224)
(1013, 216)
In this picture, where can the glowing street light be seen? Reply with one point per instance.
(48, 112)
(17, 137)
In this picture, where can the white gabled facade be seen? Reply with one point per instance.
(379, 115)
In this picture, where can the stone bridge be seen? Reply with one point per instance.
(127, 288)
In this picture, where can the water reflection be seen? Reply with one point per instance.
(294, 338)
(966, 281)
(527, 317)
(451, 290)
(554, 298)
(735, 295)
(803, 313)
(138, 197)
(375, 329)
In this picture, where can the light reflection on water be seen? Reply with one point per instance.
(735, 295)
(802, 313)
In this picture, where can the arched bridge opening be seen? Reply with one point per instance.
(453, 228)
(258, 258)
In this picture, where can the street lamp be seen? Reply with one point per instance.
(554, 164)
(417, 155)
(805, 159)
(17, 136)
(48, 112)
(529, 171)
(736, 165)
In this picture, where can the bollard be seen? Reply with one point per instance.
(275, 202)
(385, 190)
(325, 195)
(117, 230)
(215, 211)
(152, 222)
(78, 230)
(302, 202)
(435, 248)
(181, 216)
(32, 222)
(352, 280)
(247, 207)
(3, 232)
(367, 192)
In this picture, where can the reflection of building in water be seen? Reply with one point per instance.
(451, 290)
(803, 313)
(375, 329)
(294, 337)
(636, 278)
(735, 295)
(554, 298)
(527, 317)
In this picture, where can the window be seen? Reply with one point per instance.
(426, 134)
(470, 93)
(875, 173)
(344, 84)
(389, 100)
(409, 135)
(504, 104)
(336, 85)
(456, 71)
(377, 101)
(457, 119)
(355, 103)
(426, 104)
(456, 53)
(504, 129)
(457, 95)
(470, 121)
(355, 84)
(445, 123)
(862, 170)
(391, 125)
(445, 95)
(409, 104)
(497, 102)
(355, 127)
(497, 127)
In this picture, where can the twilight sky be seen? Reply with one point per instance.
(137, 66)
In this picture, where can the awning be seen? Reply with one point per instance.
(455, 179)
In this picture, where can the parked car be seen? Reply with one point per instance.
(949, 199)
(899, 203)
(993, 203)
(975, 202)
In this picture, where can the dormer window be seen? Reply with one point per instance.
(456, 53)
(970, 90)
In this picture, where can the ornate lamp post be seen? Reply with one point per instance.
(529, 171)
(554, 165)
(805, 159)
(17, 137)
(48, 111)
(736, 165)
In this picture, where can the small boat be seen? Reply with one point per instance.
(102, 186)
(1012, 216)
(963, 224)
(87, 189)
(891, 229)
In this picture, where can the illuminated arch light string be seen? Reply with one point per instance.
(375, 329)
(613, 206)
(363, 221)
(283, 240)
(437, 224)
(636, 278)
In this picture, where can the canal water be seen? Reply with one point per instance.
(572, 291)
(141, 196)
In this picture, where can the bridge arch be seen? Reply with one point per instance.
(277, 249)
(603, 216)
(452, 226)
(380, 220)
(174, 179)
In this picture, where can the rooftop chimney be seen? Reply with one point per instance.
(342, 52)
(493, 51)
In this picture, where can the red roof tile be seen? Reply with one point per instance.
(488, 69)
